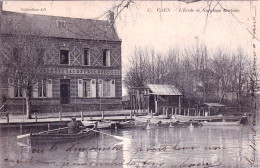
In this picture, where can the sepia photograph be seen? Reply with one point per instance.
(130, 83)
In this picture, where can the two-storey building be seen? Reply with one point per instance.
(82, 63)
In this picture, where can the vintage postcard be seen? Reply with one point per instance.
(129, 83)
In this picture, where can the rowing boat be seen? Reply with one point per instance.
(198, 118)
(185, 124)
(100, 124)
(152, 120)
(126, 124)
(60, 135)
(222, 123)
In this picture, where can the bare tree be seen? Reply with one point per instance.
(24, 57)
(198, 76)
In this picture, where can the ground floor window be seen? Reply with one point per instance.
(86, 88)
(42, 88)
(18, 90)
(89, 88)
(107, 88)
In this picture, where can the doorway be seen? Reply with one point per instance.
(64, 91)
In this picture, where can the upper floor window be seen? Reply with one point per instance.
(40, 56)
(64, 57)
(16, 53)
(106, 57)
(86, 58)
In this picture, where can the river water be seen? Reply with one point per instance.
(215, 146)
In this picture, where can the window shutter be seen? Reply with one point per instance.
(35, 90)
(89, 63)
(100, 88)
(112, 88)
(11, 88)
(108, 58)
(80, 88)
(49, 87)
(93, 88)
(23, 93)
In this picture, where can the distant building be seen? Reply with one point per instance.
(83, 69)
(162, 96)
(155, 98)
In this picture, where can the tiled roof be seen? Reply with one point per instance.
(159, 89)
(54, 26)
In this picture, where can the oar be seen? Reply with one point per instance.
(117, 137)
(23, 136)
(26, 135)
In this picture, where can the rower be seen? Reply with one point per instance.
(73, 126)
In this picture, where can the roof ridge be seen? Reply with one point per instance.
(18, 13)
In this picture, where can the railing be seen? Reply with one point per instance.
(81, 115)
(167, 110)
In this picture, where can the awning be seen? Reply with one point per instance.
(166, 90)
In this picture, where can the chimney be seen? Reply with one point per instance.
(111, 18)
(1, 5)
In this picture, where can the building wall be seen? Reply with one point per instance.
(74, 71)
(172, 101)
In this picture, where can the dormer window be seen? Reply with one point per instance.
(61, 23)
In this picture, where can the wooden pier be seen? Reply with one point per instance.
(62, 119)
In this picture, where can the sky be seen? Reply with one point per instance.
(164, 24)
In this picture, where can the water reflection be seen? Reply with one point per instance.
(166, 147)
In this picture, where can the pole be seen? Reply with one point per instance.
(188, 112)
(163, 110)
(155, 101)
(103, 115)
(100, 103)
(35, 114)
(21, 127)
(82, 117)
(131, 114)
(60, 116)
(7, 117)
(180, 104)
(131, 101)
